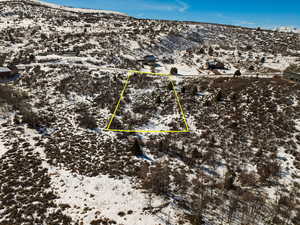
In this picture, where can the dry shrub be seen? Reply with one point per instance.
(31, 118)
(248, 196)
(286, 201)
(88, 121)
(158, 180)
(247, 179)
(277, 220)
(12, 96)
(269, 169)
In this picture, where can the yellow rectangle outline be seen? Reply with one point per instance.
(148, 131)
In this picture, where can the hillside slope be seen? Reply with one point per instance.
(238, 164)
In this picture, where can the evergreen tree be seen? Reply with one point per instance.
(136, 148)
(210, 51)
(32, 58)
(251, 68)
(207, 103)
(158, 100)
(195, 91)
(229, 179)
(237, 73)
(219, 96)
(170, 86)
(183, 90)
(202, 51)
(162, 146)
(174, 71)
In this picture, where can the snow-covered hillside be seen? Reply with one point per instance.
(66, 8)
(288, 29)
(238, 164)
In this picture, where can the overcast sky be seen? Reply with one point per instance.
(252, 13)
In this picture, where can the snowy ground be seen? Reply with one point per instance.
(3, 149)
(104, 196)
(94, 172)
(92, 198)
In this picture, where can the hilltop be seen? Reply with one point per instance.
(64, 8)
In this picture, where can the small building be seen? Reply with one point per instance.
(292, 76)
(9, 73)
(5, 73)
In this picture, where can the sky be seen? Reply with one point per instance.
(250, 13)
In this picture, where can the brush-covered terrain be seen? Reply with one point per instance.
(239, 164)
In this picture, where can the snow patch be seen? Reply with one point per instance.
(3, 149)
(105, 196)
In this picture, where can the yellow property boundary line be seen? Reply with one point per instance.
(148, 131)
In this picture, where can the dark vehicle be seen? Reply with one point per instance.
(150, 59)
(215, 65)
